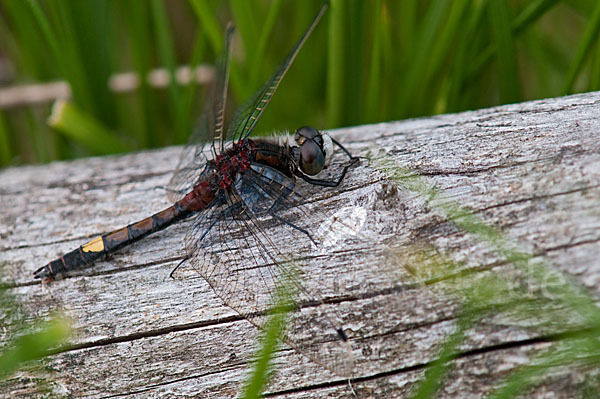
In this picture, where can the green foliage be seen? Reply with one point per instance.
(83, 128)
(272, 334)
(368, 61)
(23, 343)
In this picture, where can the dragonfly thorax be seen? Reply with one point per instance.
(314, 150)
(232, 162)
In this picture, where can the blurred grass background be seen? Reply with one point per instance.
(367, 61)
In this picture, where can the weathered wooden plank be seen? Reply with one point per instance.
(532, 170)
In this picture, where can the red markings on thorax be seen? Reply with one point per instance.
(232, 162)
(228, 165)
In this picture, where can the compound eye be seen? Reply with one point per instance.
(312, 160)
(306, 133)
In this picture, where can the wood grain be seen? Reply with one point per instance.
(530, 170)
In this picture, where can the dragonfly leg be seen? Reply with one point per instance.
(292, 225)
(177, 267)
(335, 182)
(330, 183)
(343, 148)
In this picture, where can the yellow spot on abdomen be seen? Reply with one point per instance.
(96, 245)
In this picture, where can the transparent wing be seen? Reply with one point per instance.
(248, 114)
(221, 95)
(192, 161)
(207, 140)
(210, 126)
(235, 249)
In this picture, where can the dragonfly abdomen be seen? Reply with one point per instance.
(136, 231)
(99, 247)
(196, 200)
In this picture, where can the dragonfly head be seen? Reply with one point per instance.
(315, 150)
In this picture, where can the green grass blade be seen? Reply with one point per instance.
(595, 69)
(465, 53)
(5, 149)
(67, 55)
(88, 29)
(500, 22)
(439, 368)
(38, 138)
(392, 62)
(33, 345)
(269, 343)
(245, 22)
(568, 305)
(139, 34)
(47, 31)
(257, 58)
(189, 114)
(427, 100)
(207, 31)
(83, 55)
(210, 24)
(23, 33)
(584, 49)
(167, 59)
(407, 13)
(335, 64)
(271, 335)
(526, 18)
(25, 342)
(531, 13)
(424, 42)
(357, 59)
(562, 353)
(374, 86)
(84, 129)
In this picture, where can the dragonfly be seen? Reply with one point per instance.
(235, 188)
